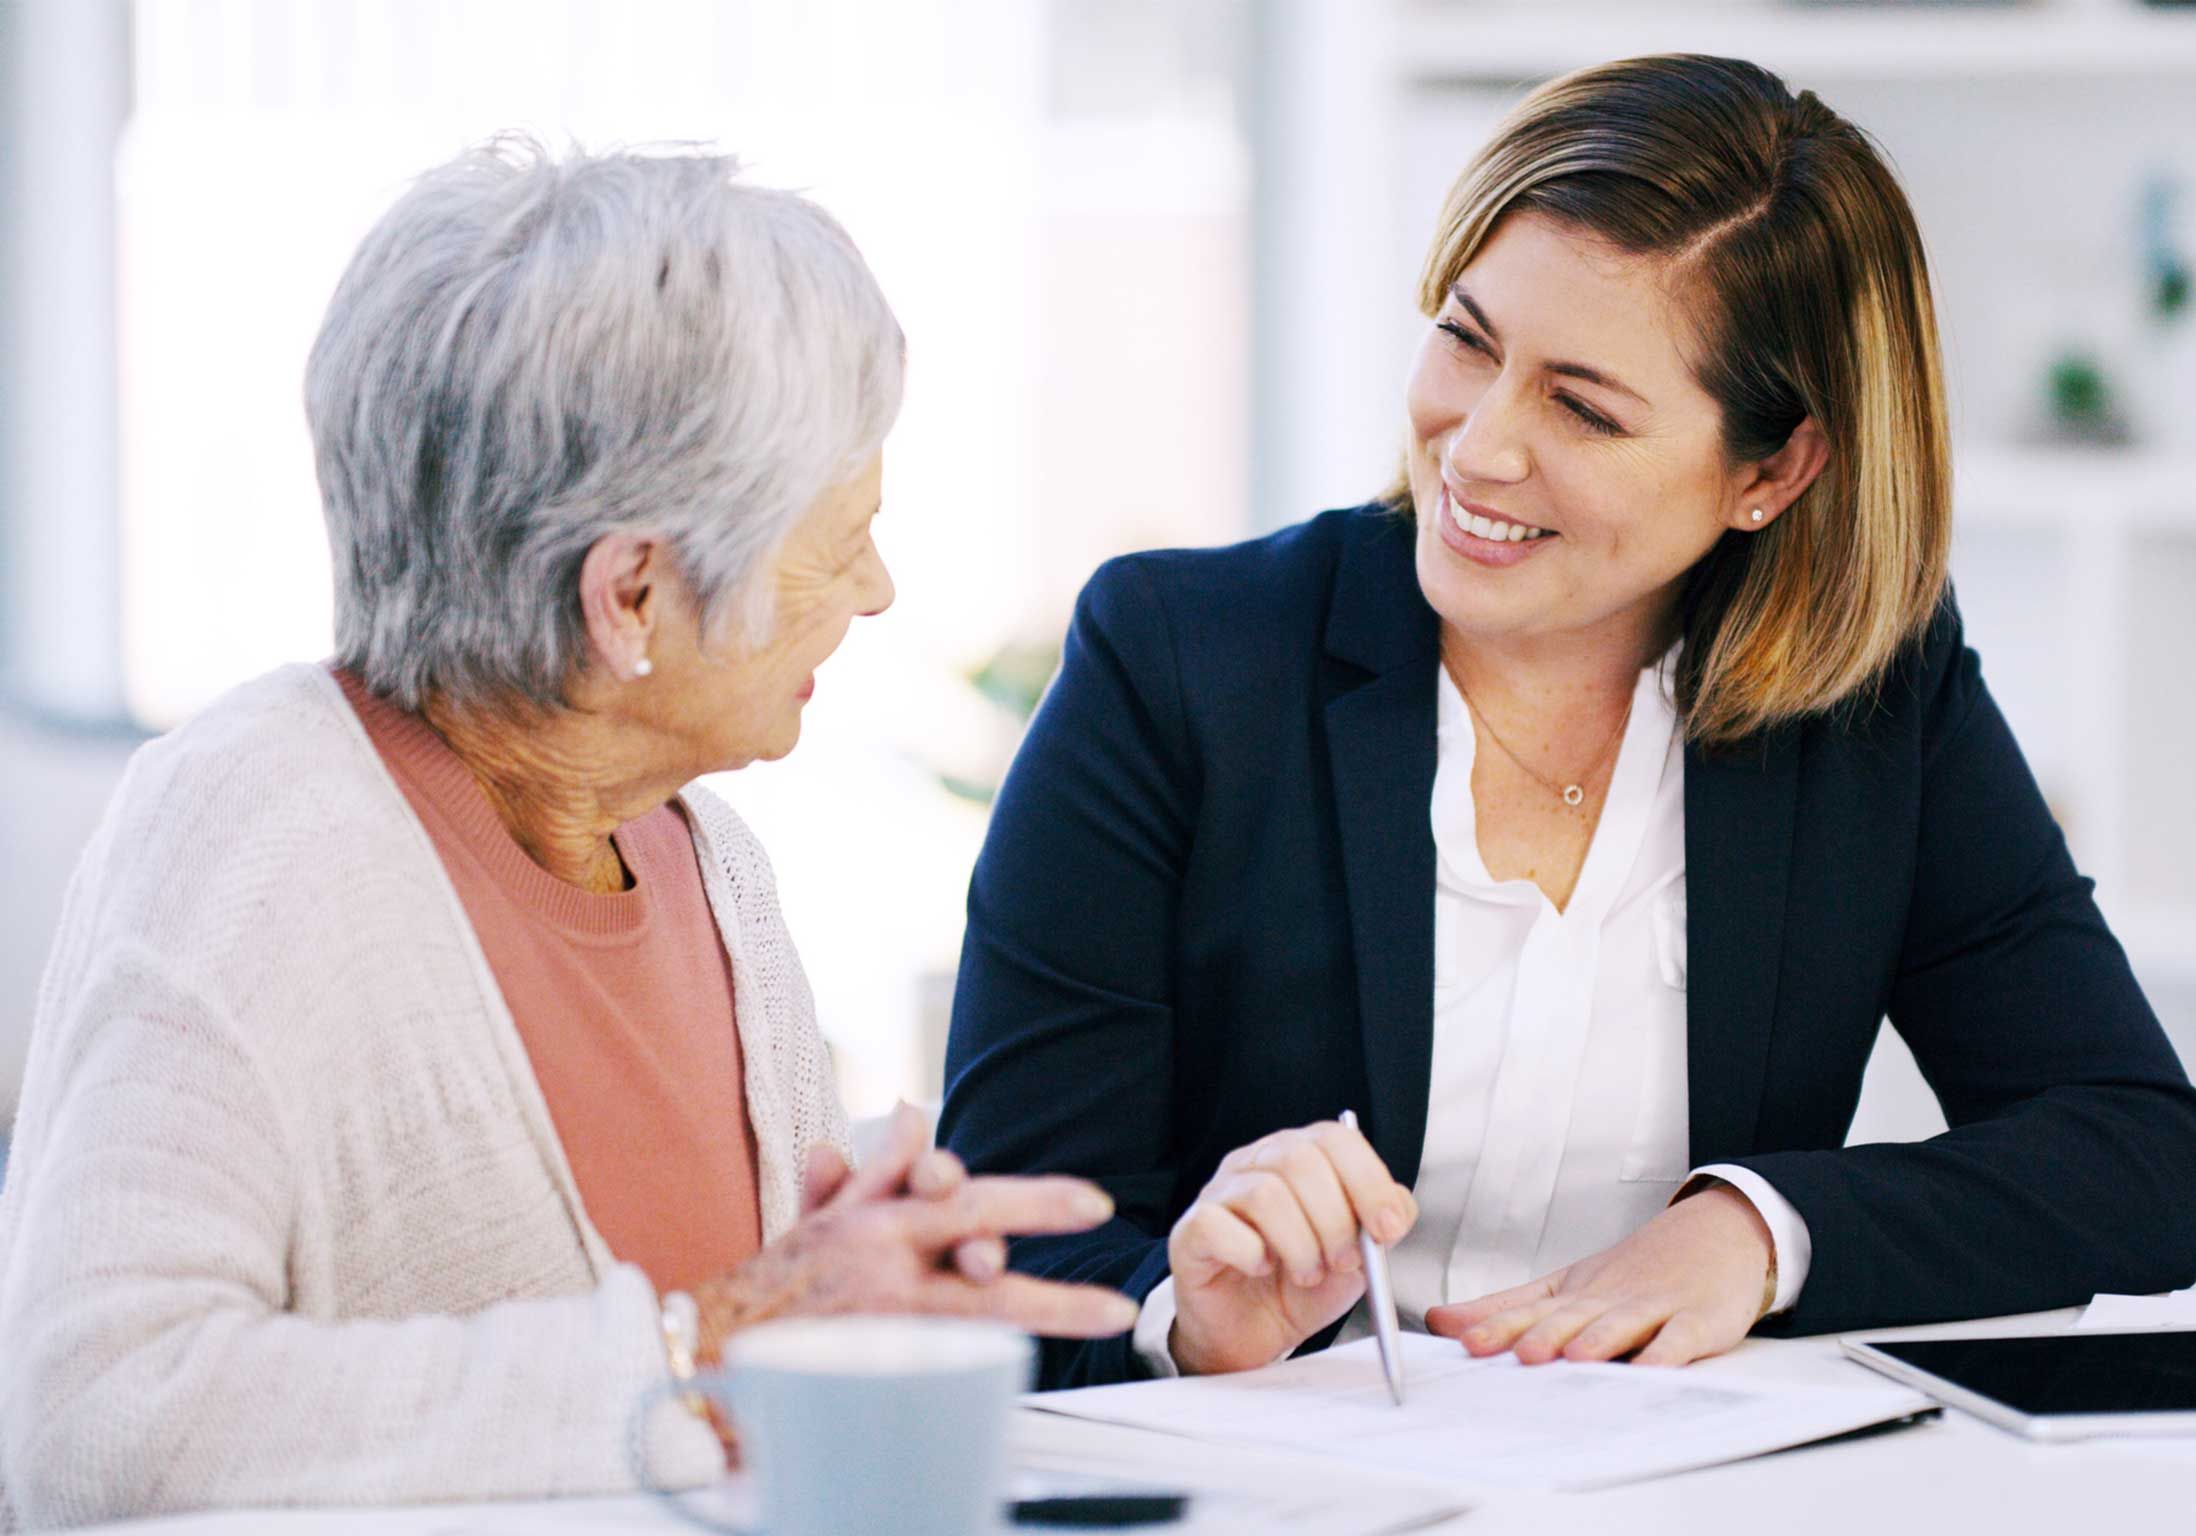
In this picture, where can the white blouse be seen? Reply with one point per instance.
(1557, 1114)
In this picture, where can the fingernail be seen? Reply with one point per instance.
(1310, 1279)
(1477, 1335)
(1094, 1206)
(1346, 1262)
(1393, 1224)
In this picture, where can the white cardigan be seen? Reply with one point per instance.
(286, 1220)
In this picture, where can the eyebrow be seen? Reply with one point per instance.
(1569, 370)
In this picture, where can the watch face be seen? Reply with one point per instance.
(681, 1332)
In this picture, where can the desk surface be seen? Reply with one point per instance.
(1953, 1475)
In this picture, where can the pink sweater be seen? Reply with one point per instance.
(624, 1003)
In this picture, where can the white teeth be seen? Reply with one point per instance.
(1495, 530)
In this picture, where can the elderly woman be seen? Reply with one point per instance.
(1575, 813)
(424, 1065)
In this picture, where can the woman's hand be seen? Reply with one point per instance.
(1267, 1256)
(1687, 1285)
(906, 1165)
(900, 1236)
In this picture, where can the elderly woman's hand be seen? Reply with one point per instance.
(907, 1164)
(903, 1235)
(1689, 1284)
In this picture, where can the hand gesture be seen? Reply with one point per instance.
(905, 1235)
(1267, 1256)
(1687, 1285)
(907, 1165)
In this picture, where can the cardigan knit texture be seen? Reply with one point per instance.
(286, 1219)
(623, 1000)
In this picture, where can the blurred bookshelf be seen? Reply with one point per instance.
(1455, 41)
(2023, 485)
(2077, 571)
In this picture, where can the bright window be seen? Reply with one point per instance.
(1054, 197)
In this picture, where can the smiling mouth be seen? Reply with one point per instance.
(1496, 530)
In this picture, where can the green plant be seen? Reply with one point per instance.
(1013, 679)
(2080, 400)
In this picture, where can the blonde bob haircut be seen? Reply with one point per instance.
(1798, 265)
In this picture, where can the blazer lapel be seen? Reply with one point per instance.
(1738, 856)
(1381, 750)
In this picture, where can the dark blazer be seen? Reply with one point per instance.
(1205, 912)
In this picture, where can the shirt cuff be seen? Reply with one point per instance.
(1154, 1326)
(1789, 1240)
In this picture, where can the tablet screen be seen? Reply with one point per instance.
(2066, 1372)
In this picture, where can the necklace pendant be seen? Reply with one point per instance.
(1573, 795)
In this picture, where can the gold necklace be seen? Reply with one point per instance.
(1569, 794)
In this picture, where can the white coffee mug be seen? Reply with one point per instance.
(854, 1425)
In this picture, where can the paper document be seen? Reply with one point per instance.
(1494, 1424)
(1235, 1490)
(2128, 1314)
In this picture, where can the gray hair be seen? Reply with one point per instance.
(528, 353)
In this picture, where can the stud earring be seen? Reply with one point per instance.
(1757, 514)
(643, 667)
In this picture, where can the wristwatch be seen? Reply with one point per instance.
(681, 1344)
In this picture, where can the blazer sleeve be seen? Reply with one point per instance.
(1061, 1055)
(2071, 1150)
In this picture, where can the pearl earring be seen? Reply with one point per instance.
(643, 667)
(1757, 514)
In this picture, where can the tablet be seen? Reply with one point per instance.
(2060, 1386)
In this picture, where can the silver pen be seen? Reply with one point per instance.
(1380, 1299)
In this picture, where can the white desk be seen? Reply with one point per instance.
(1950, 1476)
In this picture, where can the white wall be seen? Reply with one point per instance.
(63, 84)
